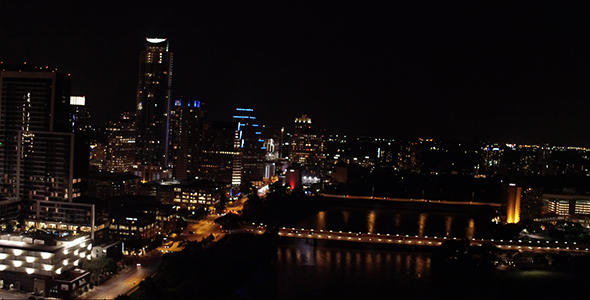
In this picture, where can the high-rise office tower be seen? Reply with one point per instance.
(120, 146)
(306, 146)
(41, 158)
(302, 124)
(271, 157)
(221, 156)
(79, 114)
(186, 131)
(307, 149)
(251, 144)
(81, 127)
(153, 103)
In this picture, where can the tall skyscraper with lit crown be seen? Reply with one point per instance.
(154, 103)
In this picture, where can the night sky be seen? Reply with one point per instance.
(505, 72)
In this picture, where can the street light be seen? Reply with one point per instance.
(281, 146)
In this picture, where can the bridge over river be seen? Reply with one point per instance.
(448, 202)
(359, 237)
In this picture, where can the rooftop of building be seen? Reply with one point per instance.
(131, 205)
(566, 197)
(40, 242)
(115, 176)
(71, 275)
(187, 183)
(24, 67)
(306, 132)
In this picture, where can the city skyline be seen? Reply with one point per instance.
(505, 73)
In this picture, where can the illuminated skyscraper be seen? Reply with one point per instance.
(302, 124)
(154, 103)
(120, 146)
(251, 144)
(79, 114)
(186, 131)
(513, 204)
(307, 149)
(41, 158)
(221, 156)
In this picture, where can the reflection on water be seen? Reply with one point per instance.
(470, 225)
(421, 224)
(448, 222)
(321, 220)
(371, 222)
(340, 269)
(470, 229)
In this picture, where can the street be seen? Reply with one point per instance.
(130, 277)
(198, 230)
(126, 280)
(6, 294)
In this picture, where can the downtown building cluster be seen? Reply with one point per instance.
(171, 144)
(44, 161)
(64, 186)
(533, 182)
(59, 186)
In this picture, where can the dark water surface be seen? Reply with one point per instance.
(461, 221)
(323, 270)
(308, 269)
(308, 272)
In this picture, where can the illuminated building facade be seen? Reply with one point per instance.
(221, 155)
(567, 204)
(307, 149)
(154, 103)
(523, 203)
(186, 131)
(531, 203)
(149, 173)
(187, 194)
(193, 194)
(293, 177)
(302, 124)
(272, 163)
(120, 145)
(69, 218)
(104, 185)
(492, 159)
(41, 158)
(134, 219)
(43, 264)
(80, 114)
(409, 157)
(251, 144)
(513, 204)
(136, 230)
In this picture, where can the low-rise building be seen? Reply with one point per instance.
(187, 194)
(104, 185)
(567, 204)
(44, 264)
(136, 220)
(135, 230)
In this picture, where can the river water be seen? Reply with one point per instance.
(308, 270)
(469, 223)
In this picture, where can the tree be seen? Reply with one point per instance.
(248, 189)
(157, 242)
(98, 266)
(148, 289)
